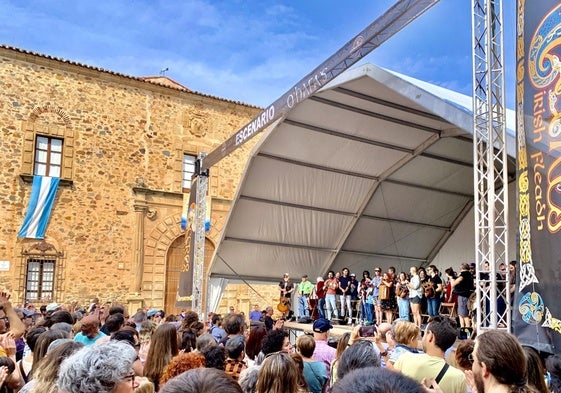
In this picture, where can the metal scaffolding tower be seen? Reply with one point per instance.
(490, 167)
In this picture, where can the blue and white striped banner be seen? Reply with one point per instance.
(43, 193)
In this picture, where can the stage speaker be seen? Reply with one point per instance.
(305, 320)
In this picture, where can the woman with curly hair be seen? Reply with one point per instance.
(276, 341)
(182, 363)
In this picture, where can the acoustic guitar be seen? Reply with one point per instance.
(284, 305)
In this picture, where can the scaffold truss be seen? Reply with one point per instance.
(490, 167)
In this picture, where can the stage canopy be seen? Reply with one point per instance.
(375, 169)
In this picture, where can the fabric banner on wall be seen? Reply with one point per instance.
(41, 201)
(536, 306)
(185, 288)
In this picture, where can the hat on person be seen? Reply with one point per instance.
(353, 275)
(151, 312)
(52, 307)
(322, 325)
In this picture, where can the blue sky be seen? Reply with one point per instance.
(249, 51)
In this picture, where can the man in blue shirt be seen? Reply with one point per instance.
(255, 315)
(89, 331)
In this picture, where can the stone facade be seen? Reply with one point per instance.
(118, 207)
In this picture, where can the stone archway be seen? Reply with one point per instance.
(163, 255)
(174, 262)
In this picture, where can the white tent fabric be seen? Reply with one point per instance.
(216, 287)
(375, 169)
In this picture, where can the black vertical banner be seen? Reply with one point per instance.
(536, 305)
(185, 288)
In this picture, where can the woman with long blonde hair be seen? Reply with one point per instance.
(278, 374)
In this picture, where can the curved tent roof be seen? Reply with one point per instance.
(375, 169)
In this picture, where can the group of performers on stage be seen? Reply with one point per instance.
(342, 297)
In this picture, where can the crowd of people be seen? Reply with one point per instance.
(104, 349)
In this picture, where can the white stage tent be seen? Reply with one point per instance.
(374, 169)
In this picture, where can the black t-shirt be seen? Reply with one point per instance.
(344, 283)
(465, 287)
(287, 286)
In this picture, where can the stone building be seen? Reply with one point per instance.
(123, 147)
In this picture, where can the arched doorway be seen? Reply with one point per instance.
(174, 261)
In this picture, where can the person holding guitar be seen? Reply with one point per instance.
(286, 288)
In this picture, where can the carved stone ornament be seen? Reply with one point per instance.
(197, 125)
(151, 214)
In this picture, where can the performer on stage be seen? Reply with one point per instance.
(305, 289)
(286, 288)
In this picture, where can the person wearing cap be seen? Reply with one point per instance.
(150, 313)
(323, 352)
(305, 289)
(286, 288)
(159, 317)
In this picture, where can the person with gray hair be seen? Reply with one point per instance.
(103, 368)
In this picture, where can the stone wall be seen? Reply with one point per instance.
(124, 140)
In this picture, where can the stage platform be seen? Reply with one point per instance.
(297, 329)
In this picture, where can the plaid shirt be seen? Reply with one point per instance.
(234, 367)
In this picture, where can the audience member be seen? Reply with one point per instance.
(215, 357)
(235, 350)
(42, 345)
(406, 337)
(147, 328)
(254, 344)
(275, 341)
(342, 344)
(463, 354)
(440, 335)
(361, 354)
(323, 352)
(204, 340)
(553, 366)
(46, 374)
(314, 372)
(181, 363)
(202, 380)
(278, 374)
(535, 370)
(499, 364)
(104, 368)
(163, 347)
(377, 380)
(89, 331)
